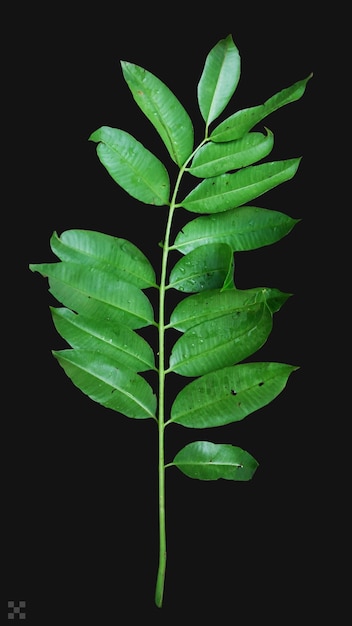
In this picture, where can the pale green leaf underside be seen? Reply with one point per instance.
(205, 460)
(221, 193)
(122, 259)
(206, 267)
(219, 79)
(115, 341)
(105, 382)
(95, 293)
(243, 121)
(214, 159)
(206, 306)
(132, 166)
(242, 228)
(221, 341)
(163, 110)
(230, 394)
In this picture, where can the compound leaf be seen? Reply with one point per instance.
(221, 341)
(214, 159)
(163, 110)
(118, 256)
(101, 378)
(219, 79)
(207, 267)
(205, 460)
(243, 121)
(115, 341)
(132, 166)
(230, 394)
(242, 228)
(228, 191)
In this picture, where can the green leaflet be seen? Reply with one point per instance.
(228, 191)
(97, 293)
(113, 254)
(221, 341)
(219, 79)
(132, 166)
(210, 461)
(115, 341)
(105, 382)
(214, 159)
(206, 267)
(242, 228)
(163, 110)
(229, 394)
(243, 121)
(208, 305)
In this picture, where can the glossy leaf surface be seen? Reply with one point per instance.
(208, 305)
(206, 267)
(115, 341)
(214, 159)
(242, 228)
(243, 121)
(228, 191)
(100, 378)
(117, 256)
(97, 293)
(230, 394)
(221, 341)
(132, 166)
(219, 79)
(163, 110)
(210, 461)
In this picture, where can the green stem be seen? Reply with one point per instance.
(160, 581)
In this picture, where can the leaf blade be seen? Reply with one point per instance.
(99, 378)
(228, 191)
(94, 292)
(242, 228)
(221, 341)
(205, 460)
(230, 394)
(219, 79)
(214, 159)
(115, 341)
(163, 110)
(114, 254)
(139, 172)
(206, 267)
(201, 307)
(244, 120)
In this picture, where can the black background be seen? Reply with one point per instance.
(80, 503)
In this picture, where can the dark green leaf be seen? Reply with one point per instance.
(219, 79)
(206, 267)
(210, 461)
(242, 228)
(228, 191)
(230, 394)
(105, 382)
(118, 256)
(243, 121)
(117, 342)
(214, 159)
(221, 341)
(95, 293)
(132, 166)
(212, 304)
(163, 110)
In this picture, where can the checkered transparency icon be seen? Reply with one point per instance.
(16, 610)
